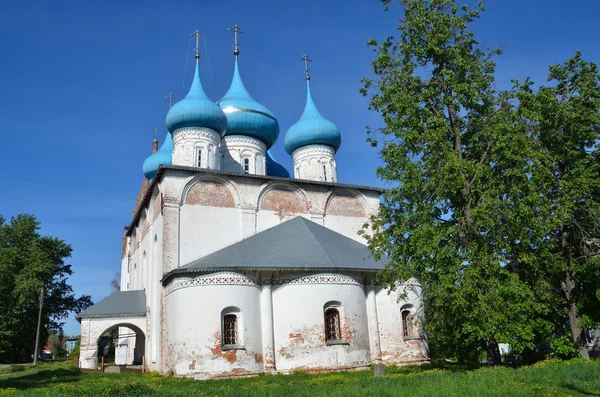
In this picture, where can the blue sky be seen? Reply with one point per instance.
(83, 86)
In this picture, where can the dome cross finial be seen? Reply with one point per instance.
(171, 97)
(236, 30)
(306, 60)
(197, 49)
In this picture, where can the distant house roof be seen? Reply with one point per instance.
(298, 244)
(118, 304)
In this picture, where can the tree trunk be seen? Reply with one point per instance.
(493, 353)
(576, 334)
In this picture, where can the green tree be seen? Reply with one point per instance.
(563, 120)
(461, 173)
(29, 263)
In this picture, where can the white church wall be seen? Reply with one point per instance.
(194, 329)
(210, 218)
(299, 328)
(396, 348)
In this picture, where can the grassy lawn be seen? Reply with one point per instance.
(545, 379)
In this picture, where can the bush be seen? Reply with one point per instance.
(563, 348)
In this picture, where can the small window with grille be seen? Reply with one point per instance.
(407, 323)
(230, 334)
(324, 172)
(332, 324)
(246, 166)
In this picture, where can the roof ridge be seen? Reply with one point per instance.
(304, 220)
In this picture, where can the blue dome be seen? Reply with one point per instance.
(196, 110)
(164, 155)
(312, 129)
(274, 168)
(245, 116)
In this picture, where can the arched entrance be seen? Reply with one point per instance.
(129, 340)
(123, 344)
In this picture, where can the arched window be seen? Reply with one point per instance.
(199, 158)
(246, 165)
(407, 323)
(332, 324)
(230, 329)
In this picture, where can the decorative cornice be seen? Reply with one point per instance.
(195, 133)
(313, 149)
(241, 139)
(231, 278)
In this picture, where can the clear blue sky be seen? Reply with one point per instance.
(83, 86)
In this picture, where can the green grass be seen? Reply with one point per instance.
(573, 378)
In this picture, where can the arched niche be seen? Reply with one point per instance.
(283, 197)
(210, 191)
(346, 203)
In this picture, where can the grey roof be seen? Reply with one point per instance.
(164, 167)
(118, 304)
(298, 244)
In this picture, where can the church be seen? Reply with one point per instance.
(232, 267)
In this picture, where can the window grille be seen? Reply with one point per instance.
(332, 324)
(246, 165)
(324, 172)
(230, 335)
(407, 323)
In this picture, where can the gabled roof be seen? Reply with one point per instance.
(298, 244)
(118, 304)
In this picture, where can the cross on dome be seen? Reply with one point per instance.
(236, 30)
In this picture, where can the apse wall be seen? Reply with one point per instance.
(299, 304)
(194, 326)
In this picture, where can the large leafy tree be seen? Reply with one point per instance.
(30, 263)
(563, 120)
(462, 183)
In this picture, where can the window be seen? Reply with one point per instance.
(332, 325)
(407, 323)
(230, 329)
(199, 158)
(246, 166)
(324, 172)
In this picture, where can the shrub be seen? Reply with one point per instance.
(563, 348)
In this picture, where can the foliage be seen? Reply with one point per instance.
(462, 191)
(564, 348)
(30, 262)
(57, 347)
(550, 378)
(563, 122)
(115, 283)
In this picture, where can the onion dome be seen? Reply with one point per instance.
(312, 129)
(164, 155)
(245, 116)
(274, 168)
(196, 110)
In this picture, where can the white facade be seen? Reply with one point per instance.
(280, 313)
(243, 154)
(196, 147)
(315, 162)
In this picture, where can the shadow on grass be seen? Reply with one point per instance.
(41, 378)
(441, 365)
(579, 390)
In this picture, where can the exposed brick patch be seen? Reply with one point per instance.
(283, 201)
(345, 204)
(156, 207)
(209, 193)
